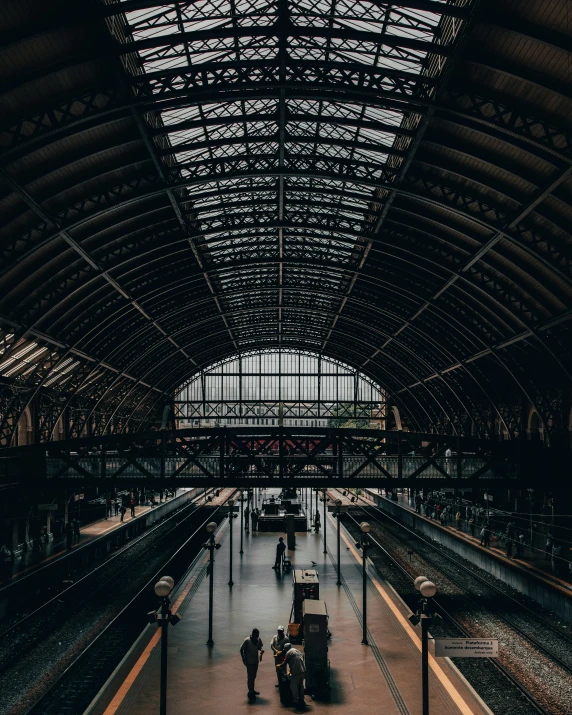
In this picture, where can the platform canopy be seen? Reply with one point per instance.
(383, 183)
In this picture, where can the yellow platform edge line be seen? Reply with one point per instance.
(444, 679)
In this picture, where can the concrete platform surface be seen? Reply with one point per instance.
(382, 677)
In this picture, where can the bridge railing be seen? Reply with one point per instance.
(199, 467)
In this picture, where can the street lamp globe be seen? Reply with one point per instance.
(428, 589)
(211, 527)
(365, 527)
(418, 581)
(162, 589)
(169, 580)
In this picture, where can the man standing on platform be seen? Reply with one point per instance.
(277, 645)
(280, 549)
(251, 654)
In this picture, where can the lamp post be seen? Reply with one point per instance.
(363, 545)
(241, 497)
(325, 530)
(231, 519)
(163, 588)
(338, 515)
(311, 507)
(211, 546)
(424, 616)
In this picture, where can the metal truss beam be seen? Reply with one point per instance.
(252, 456)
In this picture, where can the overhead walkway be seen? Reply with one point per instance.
(383, 676)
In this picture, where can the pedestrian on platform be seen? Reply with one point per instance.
(132, 506)
(76, 531)
(251, 654)
(116, 506)
(246, 518)
(123, 511)
(458, 520)
(69, 535)
(280, 549)
(317, 522)
(277, 644)
(418, 504)
(294, 661)
(254, 519)
(487, 540)
(520, 545)
(548, 545)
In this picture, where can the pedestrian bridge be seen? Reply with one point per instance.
(253, 456)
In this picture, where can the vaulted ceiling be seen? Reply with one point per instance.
(386, 183)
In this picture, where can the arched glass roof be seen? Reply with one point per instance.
(384, 183)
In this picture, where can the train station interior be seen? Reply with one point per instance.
(285, 357)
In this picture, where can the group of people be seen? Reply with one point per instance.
(288, 662)
(251, 516)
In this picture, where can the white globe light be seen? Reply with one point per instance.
(162, 589)
(365, 527)
(211, 526)
(169, 580)
(428, 589)
(419, 580)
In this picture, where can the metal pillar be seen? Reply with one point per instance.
(164, 649)
(211, 547)
(338, 515)
(325, 530)
(241, 523)
(364, 595)
(425, 621)
(231, 519)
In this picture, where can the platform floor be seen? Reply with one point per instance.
(30, 560)
(382, 677)
(534, 562)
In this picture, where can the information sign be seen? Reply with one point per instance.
(466, 648)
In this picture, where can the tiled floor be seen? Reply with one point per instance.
(384, 677)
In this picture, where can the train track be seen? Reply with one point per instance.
(500, 596)
(96, 622)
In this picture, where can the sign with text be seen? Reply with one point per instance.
(466, 648)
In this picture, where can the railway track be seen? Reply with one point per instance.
(58, 663)
(484, 600)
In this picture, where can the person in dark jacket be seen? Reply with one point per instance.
(251, 653)
(280, 549)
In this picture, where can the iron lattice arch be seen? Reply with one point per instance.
(384, 183)
(280, 387)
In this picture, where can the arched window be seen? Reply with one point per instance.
(291, 387)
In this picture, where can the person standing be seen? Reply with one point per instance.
(69, 535)
(251, 654)
(132, 506)
(294, 661)
(277, 644)
(116, 506)
(458, 520)
(123, 511)
(317, 522)
(254, 519)
(280, 549)
(76, 531)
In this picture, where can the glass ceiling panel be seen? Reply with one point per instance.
(277, 176)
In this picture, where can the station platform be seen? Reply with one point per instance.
(47, 553)
(382, 677)
(533, 563)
